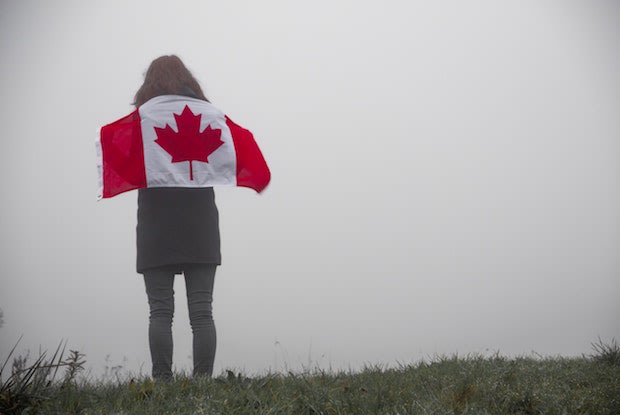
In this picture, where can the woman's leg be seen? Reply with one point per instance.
(159, 289)
(199, 280)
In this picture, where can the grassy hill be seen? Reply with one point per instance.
(446, 385)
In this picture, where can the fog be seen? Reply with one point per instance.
(445, 178)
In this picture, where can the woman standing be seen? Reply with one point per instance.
(177, 233)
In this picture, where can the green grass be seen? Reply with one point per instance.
(446, 385)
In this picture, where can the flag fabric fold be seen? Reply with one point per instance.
(177, 141)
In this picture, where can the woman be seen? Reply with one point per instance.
(177, 233)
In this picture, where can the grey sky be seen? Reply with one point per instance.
(445, 177)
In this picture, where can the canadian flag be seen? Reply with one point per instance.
(177, 141)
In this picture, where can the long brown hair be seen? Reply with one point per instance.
(167, 75)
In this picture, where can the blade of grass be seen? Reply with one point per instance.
(59, 358)
(9, 356)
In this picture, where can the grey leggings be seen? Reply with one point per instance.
(159, 289)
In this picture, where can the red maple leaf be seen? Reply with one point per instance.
(189, 143)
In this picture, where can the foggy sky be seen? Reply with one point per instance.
(445, 178)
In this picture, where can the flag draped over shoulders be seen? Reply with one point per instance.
(177, 141)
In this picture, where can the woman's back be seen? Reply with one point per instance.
(177, 226)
